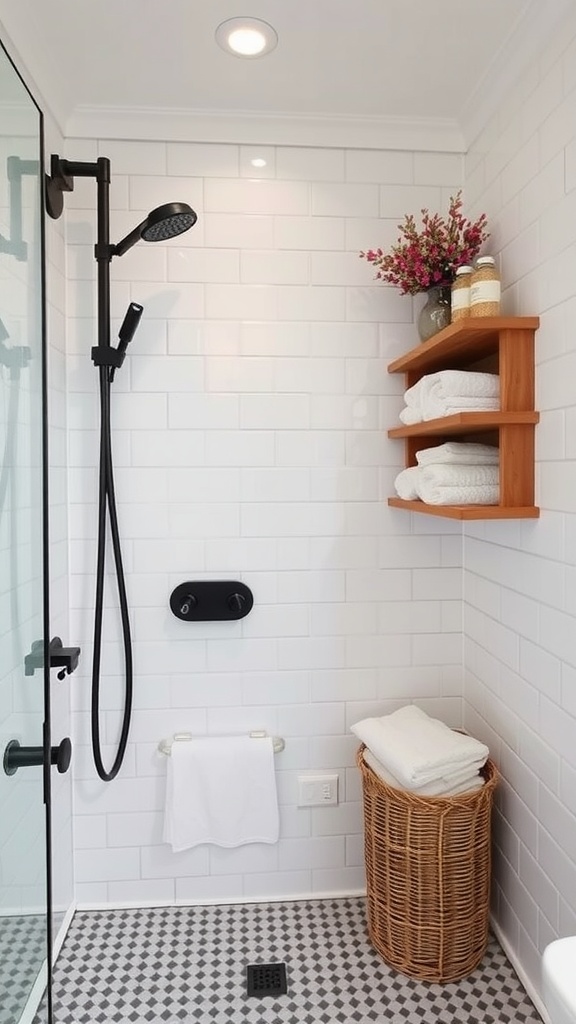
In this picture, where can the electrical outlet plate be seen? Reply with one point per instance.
(317, 790)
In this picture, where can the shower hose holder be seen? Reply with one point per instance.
(64, 658)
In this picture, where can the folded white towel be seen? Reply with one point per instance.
(445, 484)
(447, 475)
(406, 483)
(413, 395)
(483, 494)
(411, 414)
(459, 453)
(417, 749)
(445, 786)
(435, 408)
(450, 384)
(221, 790)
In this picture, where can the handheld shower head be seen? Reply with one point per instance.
(163, 223)
(167, 221)
(125, 335)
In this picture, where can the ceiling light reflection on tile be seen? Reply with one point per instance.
(257, 162)
(246, 37)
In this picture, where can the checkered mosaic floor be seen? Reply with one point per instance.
(23, 945)
(187, 965)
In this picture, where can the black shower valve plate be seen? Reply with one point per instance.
(211, 600)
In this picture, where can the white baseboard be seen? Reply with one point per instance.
(526, 981)
(298, 898)
(20, 911)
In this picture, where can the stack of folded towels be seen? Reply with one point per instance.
(411, 751)
(450, 391)
(455, 473)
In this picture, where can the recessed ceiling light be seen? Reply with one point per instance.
(246, 37)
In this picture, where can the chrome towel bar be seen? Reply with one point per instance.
(165, 746)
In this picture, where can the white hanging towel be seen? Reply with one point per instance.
(221, 790)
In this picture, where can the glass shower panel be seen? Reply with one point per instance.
(23, 873)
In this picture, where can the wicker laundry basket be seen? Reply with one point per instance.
(428, 876)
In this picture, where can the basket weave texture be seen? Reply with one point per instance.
(428, 862)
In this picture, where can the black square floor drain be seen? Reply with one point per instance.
(266, 980)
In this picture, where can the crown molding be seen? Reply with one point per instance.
(254, 128)
(524, 45)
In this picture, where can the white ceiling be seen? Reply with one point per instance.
(355, 58)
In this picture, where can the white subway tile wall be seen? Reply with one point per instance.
(250, 429)
(519, 610)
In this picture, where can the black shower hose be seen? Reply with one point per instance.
(107, 502)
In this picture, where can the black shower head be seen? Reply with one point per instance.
(161, 224)
(168, 221)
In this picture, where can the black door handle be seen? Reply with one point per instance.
(16, 757)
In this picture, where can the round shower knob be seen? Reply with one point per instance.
(236, 602)
(189, 602)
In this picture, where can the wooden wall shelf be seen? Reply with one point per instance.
(503, 345)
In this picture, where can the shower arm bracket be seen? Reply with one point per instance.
(104, 251)
(61, 179)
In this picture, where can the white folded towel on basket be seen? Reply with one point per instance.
(221, 790)
(417, 749)
(448, 785)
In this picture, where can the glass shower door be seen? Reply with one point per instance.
(23, 871)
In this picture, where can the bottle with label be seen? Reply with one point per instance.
(460, 297)
(485, 288)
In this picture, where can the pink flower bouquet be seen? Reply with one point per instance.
(432, 255)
